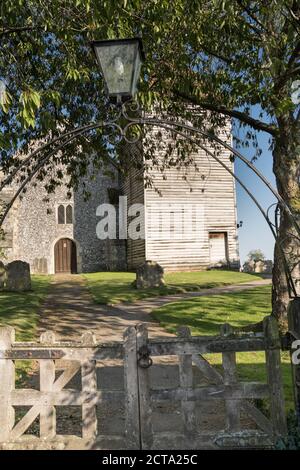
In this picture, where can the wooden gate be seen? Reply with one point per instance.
(143, 399)
(65, 256)
(245, 425)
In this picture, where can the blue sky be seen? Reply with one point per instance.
(255, 232)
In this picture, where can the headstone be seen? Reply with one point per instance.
(40, 266)
(268, 266)
(18, 276)
(259, 266)
(249, 266)
(2, 275)
(148, 275)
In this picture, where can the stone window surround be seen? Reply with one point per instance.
(65, 205)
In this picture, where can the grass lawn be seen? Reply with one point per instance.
(205, 315)
(115, 287)
(20, 310)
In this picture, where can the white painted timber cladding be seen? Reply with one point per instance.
(133, 188)
(184, 186)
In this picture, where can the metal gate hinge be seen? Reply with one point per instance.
(144, 359)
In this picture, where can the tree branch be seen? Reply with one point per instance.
(227, 60)
(17, 29)
(294, 55)
(243, 117)
(252, 15)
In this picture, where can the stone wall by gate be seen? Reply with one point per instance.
(144, 401)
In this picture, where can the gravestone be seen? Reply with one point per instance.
(249, 266)
(259, 266)
(148, 275)
(268, 267)
(2, 275)
(18, 276)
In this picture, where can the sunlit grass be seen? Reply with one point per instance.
(115, 287)
(20, 310)
(204, 316)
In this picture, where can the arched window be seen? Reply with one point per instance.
(69, 214)
(61, 214)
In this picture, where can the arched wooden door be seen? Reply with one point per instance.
(65, 259)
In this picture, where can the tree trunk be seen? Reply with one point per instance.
(286, 158)
(280, 290)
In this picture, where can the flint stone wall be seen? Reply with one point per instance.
(34, 229)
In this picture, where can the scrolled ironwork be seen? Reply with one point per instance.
(126, 123)
(131, 106)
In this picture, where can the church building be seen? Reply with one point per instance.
(187, 221)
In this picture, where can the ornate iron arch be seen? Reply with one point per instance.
(131, 133)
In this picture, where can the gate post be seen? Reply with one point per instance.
(274, 375)
(47, 379)
(132, 412)
(144, 392)
(7, 384)
(294, 330)
(233, 407)
(186, 381)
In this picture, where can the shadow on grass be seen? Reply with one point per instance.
(205, 315)
(116, 287)
(20, 310)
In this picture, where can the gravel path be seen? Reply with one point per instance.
(69, 309)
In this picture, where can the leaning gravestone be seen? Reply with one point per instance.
(2, 275)
(249, 266)
(149, 274)
(259, 266)
(18, 276)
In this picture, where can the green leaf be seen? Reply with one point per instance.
(5, 101)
